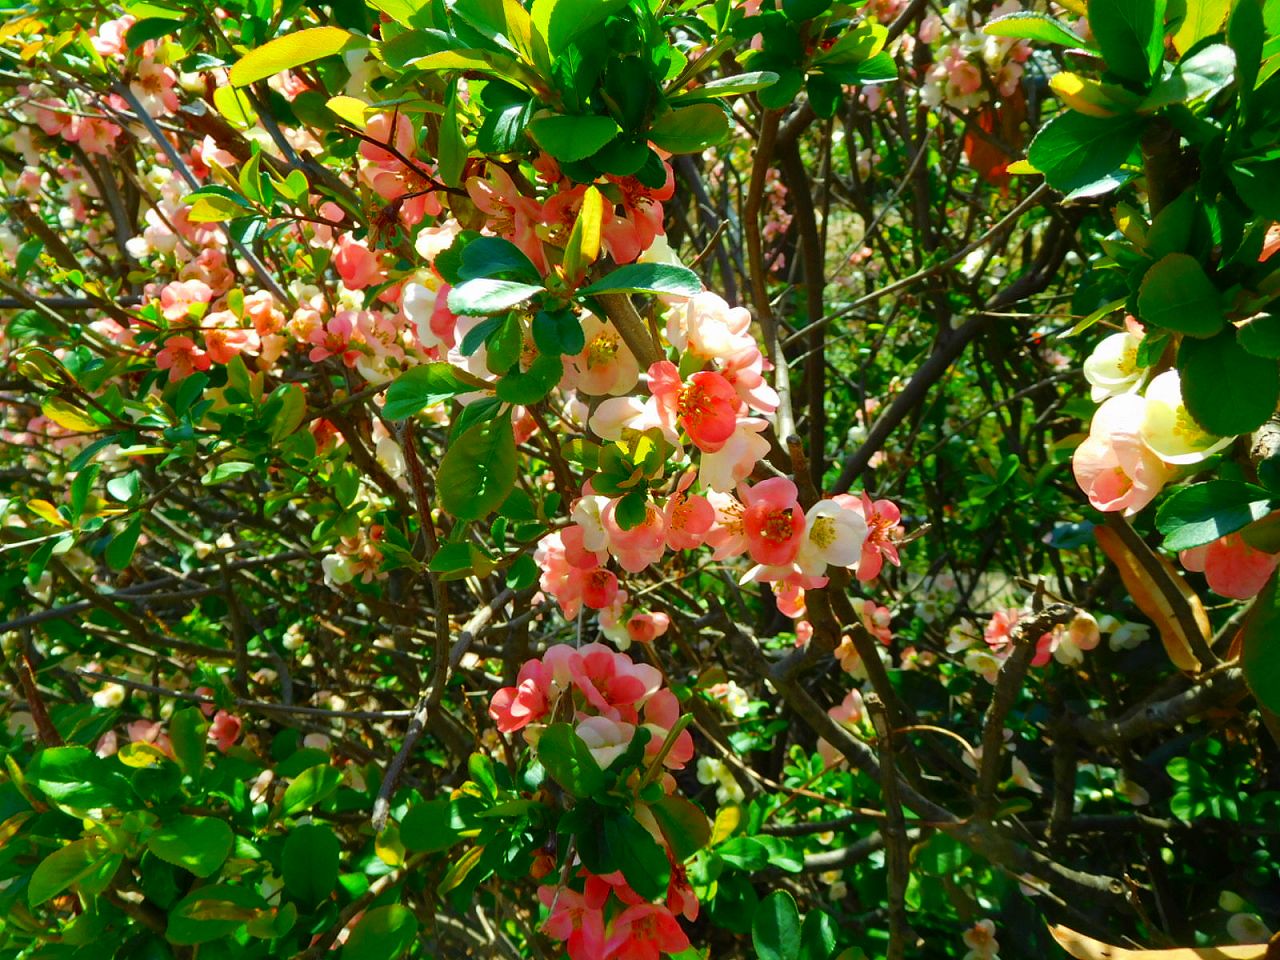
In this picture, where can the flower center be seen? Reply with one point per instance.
(777, 526)
(602, 349)
(692, 403)
(823, 532)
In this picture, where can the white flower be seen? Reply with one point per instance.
(109, 695)
(1168, 428)
(1112, 368)
(419, 303)
(586, 514)
(606, 739)
(833, 536)
(1128, 635)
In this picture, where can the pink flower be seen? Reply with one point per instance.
(773, 521)
(559, 578)
(645, 932)
(848, 713)
(688, 516)
(356, 264)
(575, 919)
(223, 343)
(334, 339)
(628, 236)
(606, 366)
(1113, 466)
(981, 941)
(875, 619)
(736, 459)
(510, 214)
(599, 589)
(177, 299)
(712, 330)
(882, 518)
(999, 630)
(647, 627)
(225, 730)
(514, 708)
(640, 546)
(705, 406)
(181, 357)
(1231, 566)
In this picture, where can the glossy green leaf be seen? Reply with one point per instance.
(647, 278)
(560, 22)
(1203, 512)
(310, 862)
(1228, 390)
(1130, 34)
(569, 138)
(1177, 295)
(197, 844)
(421, 387)
(310, 787)
(87, 862)
(482, 296)
(569, 762)
(690, 129)
(1260, 652)
(775, 930)
(478, 470)
(1028, 25)
(1083, 156)
(210, 913)
(430, 827)
(291, 50)
(383, 933)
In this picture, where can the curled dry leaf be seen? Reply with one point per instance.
(1153, 597)
(1086, 948)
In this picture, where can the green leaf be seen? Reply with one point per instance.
(309, 788)
(494, 257)
(482, 295)
(410, 13)
(775, 931)
(478, 470)
(571, 138)
(88, 862)
(558, 331)
(1203, 18)
(1260, 335)
(1255, 182)
(198, 844)
(210, 913)
(120, 550)
(384, 933)
(566, 758)
(727, 86)
(1202, 74)
(527, 387)
(421, 387)
(291, 50)
(1260, 653)
(226, 471)
(1082, 155)
(1040, 27)
(817, 936)
(690, 129)
(559, 22)
(1176, 294)
(647, 278)
(310, 862)
(1131, 36)
(188, 731)
(1227, 390)
(430, 827)
(452, 146)
(641, 858)
(1202, 513)
(77, 778)
(684, 826)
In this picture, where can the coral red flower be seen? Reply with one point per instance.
(705, 406)
(773, 521)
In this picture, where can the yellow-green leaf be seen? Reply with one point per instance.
(350, 109)
(235, 107)
(289, 51)
(68, 416)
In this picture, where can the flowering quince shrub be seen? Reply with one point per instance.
(601, 478)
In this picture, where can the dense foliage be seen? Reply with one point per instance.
(631, 478)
